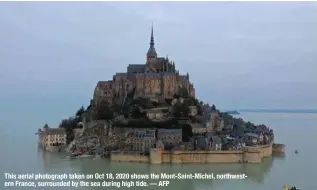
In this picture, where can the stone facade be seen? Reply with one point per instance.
(52, 139)
(155, 114)
(170, 136)
(157, 77)
(143, 140)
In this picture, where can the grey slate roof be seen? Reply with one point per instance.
(216, 139)
(201, 143)
(170, 131)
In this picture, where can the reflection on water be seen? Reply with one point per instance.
(256, 172)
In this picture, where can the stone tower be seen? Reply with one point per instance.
(151, 54)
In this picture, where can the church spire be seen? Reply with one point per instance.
(152, 37)
(151, 52)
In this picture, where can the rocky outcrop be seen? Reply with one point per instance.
(97, 134)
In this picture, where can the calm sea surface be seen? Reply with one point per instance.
(19, 153)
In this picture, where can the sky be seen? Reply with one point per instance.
(239, 55)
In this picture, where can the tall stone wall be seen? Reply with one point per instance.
(155, 156)
(278, 148)
(206, 157)
(250, 155)
(129, 157)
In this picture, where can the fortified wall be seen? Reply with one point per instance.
(157, 156)
(278, 149)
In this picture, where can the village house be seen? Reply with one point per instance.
(156, 113)
(170, 136)
(200, 142)
(198, 128)
(215, 143)
(188, 145)
(143, 140)
(239, 143)
(52, 138)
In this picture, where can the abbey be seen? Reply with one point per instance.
(158, 77)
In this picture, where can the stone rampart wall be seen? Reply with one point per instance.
(278, 148)
(249, 155)
(129, 157)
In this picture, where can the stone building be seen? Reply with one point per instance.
(52, 138)
(143, 140)
(157, 77)
(201, 142)
(198, 128)
(170, 136)
(216, 143)
(157, 114)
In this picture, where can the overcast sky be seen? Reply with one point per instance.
(238, 55)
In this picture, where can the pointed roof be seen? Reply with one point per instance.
(151, 50)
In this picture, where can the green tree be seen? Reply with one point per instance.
(136, 113)
(69, 124)
(144, 103)
(181, 110)
(227, 118)
(80, 112)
